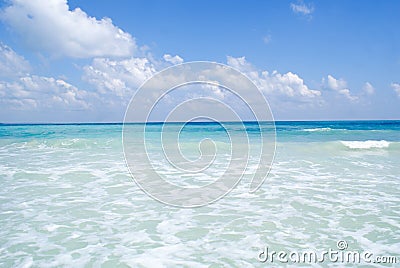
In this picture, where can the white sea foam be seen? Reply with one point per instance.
(370, 144)
(317, 129)
(77, 206)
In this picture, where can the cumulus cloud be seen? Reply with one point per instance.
(12, 64)
(20, 90)
(174, 60)
(50, 26)
(396, 88)
(338, 85)
(40, 92)
(301, 8)
(122, 77)
(368, 88)
(288, 84)
(217, 91)
(119, 77)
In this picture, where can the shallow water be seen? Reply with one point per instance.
(67, 198)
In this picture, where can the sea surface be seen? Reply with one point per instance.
(67, 198)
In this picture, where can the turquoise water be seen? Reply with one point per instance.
(67, 199)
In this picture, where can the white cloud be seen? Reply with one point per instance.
(120, 78)
(23, 91)
(52, 27)
(12, 64)
(215, 89)
(368, 88)
(288, 84)
(396, 88)
(340, 86)
(174, 60)
(40, 92)
(301, 8)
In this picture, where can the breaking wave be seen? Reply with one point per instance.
(369, 144)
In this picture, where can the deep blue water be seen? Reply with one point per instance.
(296, 131)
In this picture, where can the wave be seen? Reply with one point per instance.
(369, 144)
(317, 129)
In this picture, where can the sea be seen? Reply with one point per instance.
(67, 199)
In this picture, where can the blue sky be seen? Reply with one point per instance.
(314, 60)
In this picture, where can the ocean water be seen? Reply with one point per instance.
(67, 198)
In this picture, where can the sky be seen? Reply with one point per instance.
(82, 61)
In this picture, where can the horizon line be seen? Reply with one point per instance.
(191, 122)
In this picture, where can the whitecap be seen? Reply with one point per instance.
(369, 144)
(317, 129)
